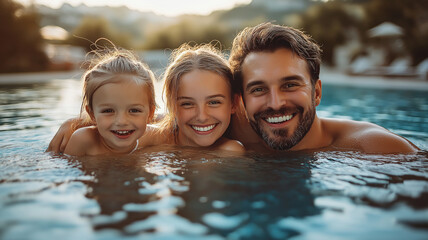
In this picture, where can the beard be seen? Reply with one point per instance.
(280, 139)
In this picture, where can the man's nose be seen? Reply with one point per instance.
(276, 99)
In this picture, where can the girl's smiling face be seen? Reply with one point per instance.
(204, 105)
(121, 111)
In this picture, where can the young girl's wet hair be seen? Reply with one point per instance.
(105, 68)
(184, 60)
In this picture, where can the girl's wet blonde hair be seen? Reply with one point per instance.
(183, 60)
(105, 67)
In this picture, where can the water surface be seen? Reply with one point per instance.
(170, 193)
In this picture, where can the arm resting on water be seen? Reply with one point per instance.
(62, 136)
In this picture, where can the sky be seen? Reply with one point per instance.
(163, 7)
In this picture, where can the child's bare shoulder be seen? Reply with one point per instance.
(230, 145)
(82, 141)
(85, 134)
(85, 137)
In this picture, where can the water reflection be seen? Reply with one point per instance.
(176, 192)
(191, 194)
(244, 198)
(168, 192)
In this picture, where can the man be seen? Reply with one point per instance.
(276, 72)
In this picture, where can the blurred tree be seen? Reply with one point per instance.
(92, 28)
(410, 15)
(21, 45)
(185, 31)
(328, 23)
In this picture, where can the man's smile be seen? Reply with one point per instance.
(279, 119)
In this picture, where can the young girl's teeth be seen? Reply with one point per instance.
(203, 129)
(123, 132)
(279, 119)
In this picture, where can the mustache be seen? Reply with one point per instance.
(282, 111)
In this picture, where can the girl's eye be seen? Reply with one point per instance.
(214, 102)
(108, 110)
(186, 104)
(135, 110)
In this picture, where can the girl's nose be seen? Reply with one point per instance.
(121, 119)
(202, 114)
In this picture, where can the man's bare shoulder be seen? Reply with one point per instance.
(366, 137)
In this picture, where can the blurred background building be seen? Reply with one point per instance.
(370, 37)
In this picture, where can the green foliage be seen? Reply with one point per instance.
(185, 31)
(93, 28)
(21, 45)
(328, 23)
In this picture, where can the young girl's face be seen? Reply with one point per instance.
(204, 106)
(121, 112)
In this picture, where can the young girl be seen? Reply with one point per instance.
(199, 100)
(118, 99)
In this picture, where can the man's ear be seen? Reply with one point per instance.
(90, 113)
(318, 92)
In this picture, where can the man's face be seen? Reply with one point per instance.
(279, 98)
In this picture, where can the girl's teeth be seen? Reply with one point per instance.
(203, 129)
(279, 119)
(123, 132)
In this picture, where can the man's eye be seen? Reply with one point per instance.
(257, 90)
(290, 85)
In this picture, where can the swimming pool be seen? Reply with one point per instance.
(167, 193)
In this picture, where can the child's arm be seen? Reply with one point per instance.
(80, 142)
(153, 137)
(62, 136)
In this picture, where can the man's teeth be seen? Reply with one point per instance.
(279, 119)
(203, 129)
(123, 132)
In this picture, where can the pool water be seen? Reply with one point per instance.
(172, 193)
